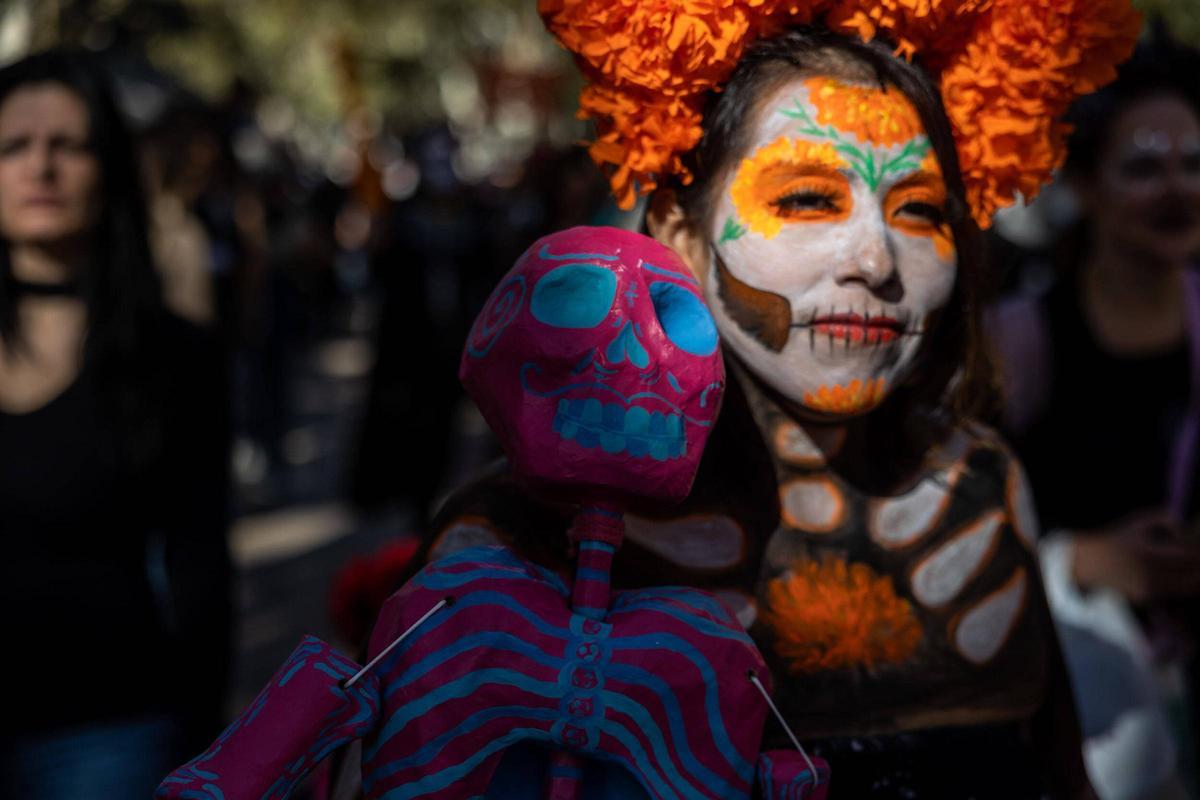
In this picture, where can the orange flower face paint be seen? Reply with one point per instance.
(853, 398)
(878, 116)
(835, 215)
(916, 206)
(790, 180)
(829, 615)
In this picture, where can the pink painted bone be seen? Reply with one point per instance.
(597, 363)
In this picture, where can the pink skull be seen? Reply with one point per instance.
(598, 365)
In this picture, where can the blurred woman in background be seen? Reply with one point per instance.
(115, 575)
(1102, 402)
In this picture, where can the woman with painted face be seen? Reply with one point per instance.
(114, 575)
(826, 194)
(1101, 405)
(897, 590)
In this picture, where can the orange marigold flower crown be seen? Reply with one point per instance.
(1007, 70)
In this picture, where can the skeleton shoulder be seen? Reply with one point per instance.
(495, 510)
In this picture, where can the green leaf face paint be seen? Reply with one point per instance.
(732, 231)
(869, 162)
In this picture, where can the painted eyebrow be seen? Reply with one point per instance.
(921, 176)
(812, 168)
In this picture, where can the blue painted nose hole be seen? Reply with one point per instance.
(626, 345)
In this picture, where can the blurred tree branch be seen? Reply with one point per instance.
(1182, 17)
(290, 48)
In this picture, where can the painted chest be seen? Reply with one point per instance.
(877, 612)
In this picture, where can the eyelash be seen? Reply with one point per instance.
(807, 200)
(924, 209)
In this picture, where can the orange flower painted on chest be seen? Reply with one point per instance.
(856, 396)
(829, 615)
(883, 117)
(783, 166)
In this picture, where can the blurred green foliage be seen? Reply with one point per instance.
(407, 62)
(403, 56)
(1182, 16)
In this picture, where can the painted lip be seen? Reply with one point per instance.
(616, 428)
(857, 328)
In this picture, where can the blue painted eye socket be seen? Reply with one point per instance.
(574, 296)
(685, 318)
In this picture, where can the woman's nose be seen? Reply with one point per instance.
(39, 161)
(869, 260)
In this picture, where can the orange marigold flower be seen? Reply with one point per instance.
(913, 26)
(829, 615)
(639, 139)
(751, 193)
(671, 46)
(881, 116)
(854, 397)
(1027, 61)
(1007, 69)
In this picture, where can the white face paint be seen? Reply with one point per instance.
(830, 249)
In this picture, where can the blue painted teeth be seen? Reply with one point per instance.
(616, 429)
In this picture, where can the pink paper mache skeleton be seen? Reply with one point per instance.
(598, 365)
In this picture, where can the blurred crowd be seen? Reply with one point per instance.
(165, 279)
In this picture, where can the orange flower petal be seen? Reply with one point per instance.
(829, 615)
(1007, 69)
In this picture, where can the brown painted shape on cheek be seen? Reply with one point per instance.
(764, 315)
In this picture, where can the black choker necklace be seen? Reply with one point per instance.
(21, 287)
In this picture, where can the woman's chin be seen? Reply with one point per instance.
(46, 233)
(835, 402)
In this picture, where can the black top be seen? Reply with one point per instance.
(1101, 449)
(980, 759)
(114, 577)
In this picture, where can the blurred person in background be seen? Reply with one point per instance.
(433, 252)
(114, 582)
(179, 242)
(1102, 402)
(441, 252)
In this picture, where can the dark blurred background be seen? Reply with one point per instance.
(334, 189)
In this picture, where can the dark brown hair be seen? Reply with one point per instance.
(953, 378)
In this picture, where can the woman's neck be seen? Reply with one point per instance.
(56, 263)
(852, 447)
(1133, 307)
(790, 435)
